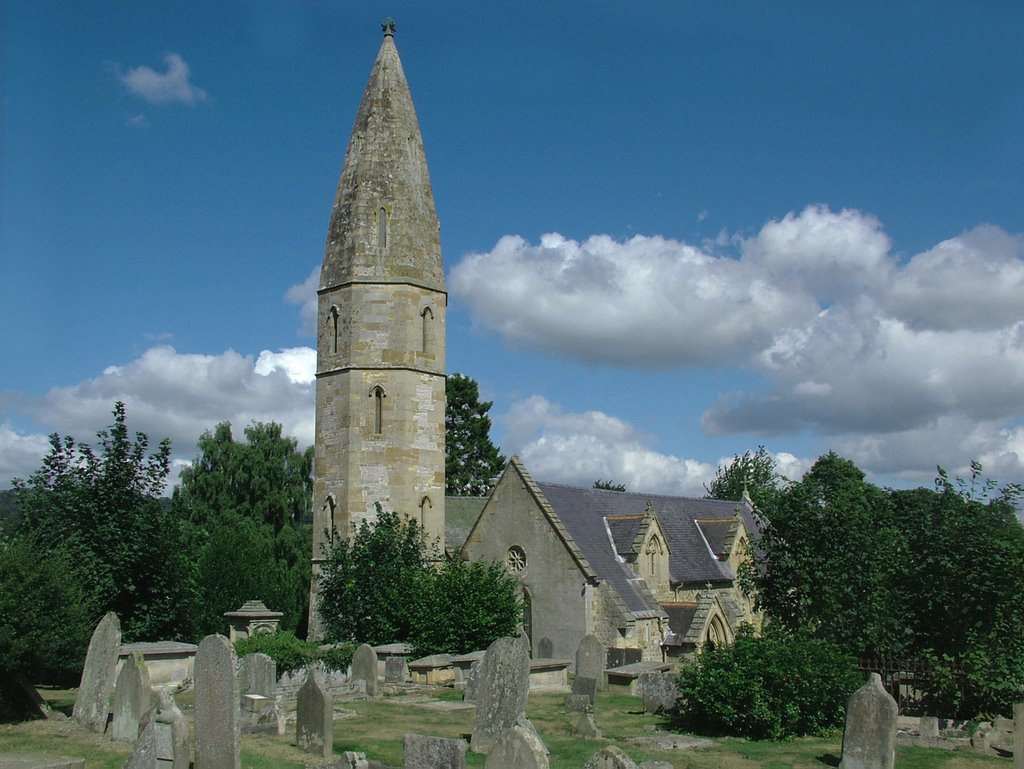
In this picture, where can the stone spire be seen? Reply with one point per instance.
(383, 226)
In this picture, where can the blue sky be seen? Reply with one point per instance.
(672, 231)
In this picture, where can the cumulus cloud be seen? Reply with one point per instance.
(304, 295)
(169, 87)
(578, 448)
(174, 395)
(851, 341)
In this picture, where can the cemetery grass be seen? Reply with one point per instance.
(377, 728)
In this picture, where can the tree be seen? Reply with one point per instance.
(471, 460)
(246, 502)
(755, 474)
(385, 586)
(102, 511)
(609, 485)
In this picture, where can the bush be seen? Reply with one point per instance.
(291, 653)
(772, 687)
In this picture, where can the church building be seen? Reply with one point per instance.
(380, 375)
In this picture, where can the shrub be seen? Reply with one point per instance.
(772, 687)
(291, 653)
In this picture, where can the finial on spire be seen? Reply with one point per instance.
(388, 27)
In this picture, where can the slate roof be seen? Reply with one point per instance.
(460, 514)
(585, 513)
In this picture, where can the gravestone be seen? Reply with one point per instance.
(421, 752)
(610, 757)
(517, 747)
(590, 660)
(503, 691)
(364, 668)
(352, 759)
(396, 670)
(585, 686)
(545, 648)
(163, 742)
(659, 691)
(93, 700)
(472, 682)
(869, 739)
(217, 728)
(314, 719)
(928, 726)
(131, 699)
(1018, 735)
(257, 674)
(586, 727)
(578, 703)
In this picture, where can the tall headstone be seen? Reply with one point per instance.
(314, 718)
(93, 701)
(610, 757)
(590, 660)
(396, 670)
(257, 674)
(502, 692)
(217, 727)
(659, 691)
(421, 752)
(584, 686)
(869, 740)
(364, 668)
(517, 747)
(545, 648)
(163, 742)
(131, 698)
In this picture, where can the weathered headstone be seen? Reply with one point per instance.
(517, 747)
(1018, 735)
(421, 752)
(654, 765)
(545, 648)
(93, 701)
(578, 703)
(659, 691)
(869, 740)
(472, 682)
(257, 674)
(396, 670)
(217, 728)
(584, 686)
(314, 719)
(163, 742)
(610, 757)
(503, 691)
(590, 660)
(144, 751)
(364, 668)
(131, 698)
(352, 759)
(586, 727)
(928, 726)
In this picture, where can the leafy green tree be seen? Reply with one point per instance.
(471, 460)
(830, 559)
(754, 473)
(385, 586)
(102, 510)
(246, 503)
(773, 687)
(609, 485)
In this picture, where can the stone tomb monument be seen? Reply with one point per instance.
(869, 739)
(131, 699)
(590, 660)
(314, 718)
(364, 668)
(217, 728)
(93, 701)
(611, 757)
(164, 742)
(502, 693)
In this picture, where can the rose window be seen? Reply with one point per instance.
(516, 559)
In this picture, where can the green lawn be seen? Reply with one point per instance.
(377, 728)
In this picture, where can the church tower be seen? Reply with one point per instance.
(380, 376)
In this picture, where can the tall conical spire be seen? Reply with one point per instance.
(383, 225)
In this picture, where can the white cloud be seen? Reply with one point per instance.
(580, 448)
(304, 295)
(174, 395)
(168, 87)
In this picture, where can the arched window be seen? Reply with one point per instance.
(653, 551)
(382, 228)
(332, 327)
(378, 395)
(330, 505)
(425, 504)
(515, 559)
(427, 315)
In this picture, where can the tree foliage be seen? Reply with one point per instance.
(609, 485)
(385, 585)
(754, 473)
(471, 460)
(930, 574)
(245, 503)
(101, 509)
(773, 687)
